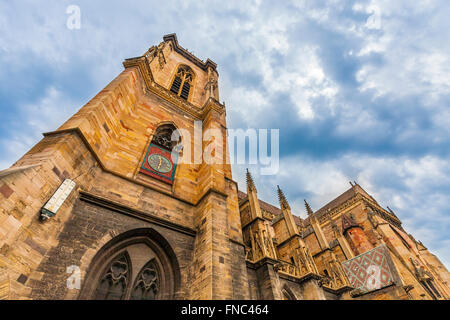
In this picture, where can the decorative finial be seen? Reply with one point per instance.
(250, 183)
(392, 212)
(308, 208)
(281, 197)
(351, 184)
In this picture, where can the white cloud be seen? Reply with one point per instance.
(45, 114)
(415, 57)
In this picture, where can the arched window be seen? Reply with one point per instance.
(163, 136)
(136, 265)
(161, 159)
(182, 82)
(146, 286)
(114, 282)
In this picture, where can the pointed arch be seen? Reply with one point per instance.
(114, 281)
(161, 158)
(163, 135)
(183, 81)
(162, 259)
(146, 286)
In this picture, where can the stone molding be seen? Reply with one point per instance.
(114, 206)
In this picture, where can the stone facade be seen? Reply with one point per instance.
(129, 235)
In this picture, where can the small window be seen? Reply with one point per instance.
(163, 136)
(182, 82)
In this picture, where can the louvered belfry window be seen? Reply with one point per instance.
(182, 82)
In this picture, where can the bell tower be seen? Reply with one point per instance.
(148, 152)
(187, 94)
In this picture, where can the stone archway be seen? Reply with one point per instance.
(137, 264)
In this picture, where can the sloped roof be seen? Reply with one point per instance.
(350, 193)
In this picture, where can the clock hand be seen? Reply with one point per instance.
(160, 163)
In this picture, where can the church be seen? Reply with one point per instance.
(102, 209)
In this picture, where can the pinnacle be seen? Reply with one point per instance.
(282, 198)
(308, 208)
(250, 182)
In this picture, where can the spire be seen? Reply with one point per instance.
(392, 212)
(316, 227)
(255, 208)
(250, 183)
(348, 223)
(287, 214)
(308, 208)
(281, 197)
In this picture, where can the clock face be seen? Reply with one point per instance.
(159, 163)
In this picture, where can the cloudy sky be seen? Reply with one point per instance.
(359, 90)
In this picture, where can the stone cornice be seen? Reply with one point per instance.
(338, 291)
(237, 242)
(383, 213)
(208, 192)
(199, 63)
(261, 262)
(288, 240)
(252, 221)
(306, 277)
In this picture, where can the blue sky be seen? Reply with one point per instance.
(359, 89)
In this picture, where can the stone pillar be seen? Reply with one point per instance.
(268, 281)
(316, 227)
(212, 268)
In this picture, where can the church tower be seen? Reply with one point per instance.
(132, 197)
